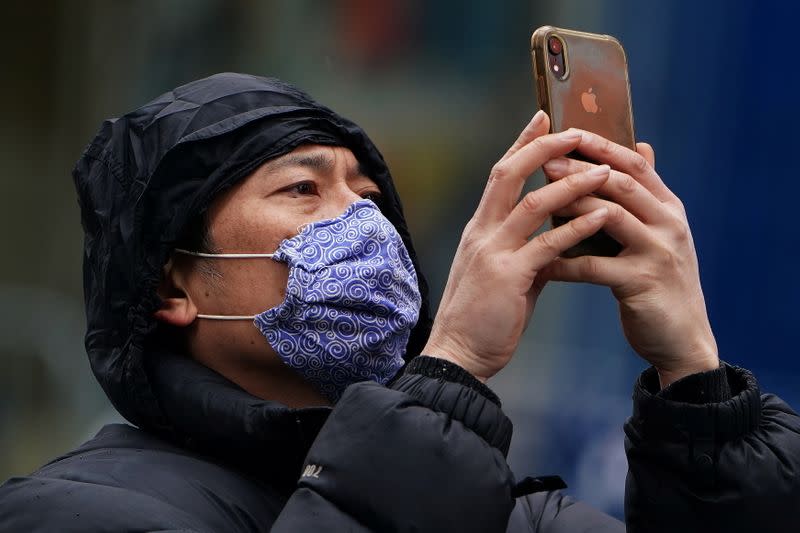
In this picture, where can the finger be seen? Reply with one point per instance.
(620, 187)
(626, 160)
(508, 176)
(620, 224)
(544, 248)
(611, 272)
(534, 208)
(646, 151)
(538, 126)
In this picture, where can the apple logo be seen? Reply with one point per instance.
(589, 101)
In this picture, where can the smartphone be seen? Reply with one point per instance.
(582, 82)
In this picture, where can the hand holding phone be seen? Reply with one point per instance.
(583, 83)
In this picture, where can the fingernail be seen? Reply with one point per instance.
(597, 214)
(537, 119)
(556, 165)
(596, 172)
(571, 134)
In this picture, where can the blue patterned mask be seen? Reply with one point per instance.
(351, 300)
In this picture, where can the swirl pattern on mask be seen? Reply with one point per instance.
(351, 301)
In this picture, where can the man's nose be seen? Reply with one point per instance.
(341, 198)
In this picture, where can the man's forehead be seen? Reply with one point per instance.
(320, 158)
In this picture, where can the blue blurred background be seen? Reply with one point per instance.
(443, 88)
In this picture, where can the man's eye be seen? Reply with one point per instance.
(375, 196)
(303, 188)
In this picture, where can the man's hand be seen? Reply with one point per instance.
(655, 278)
(494, 282)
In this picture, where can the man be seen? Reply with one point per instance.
(252, 290)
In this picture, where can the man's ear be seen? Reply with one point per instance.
(177, 307)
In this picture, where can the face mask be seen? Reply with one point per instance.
(351, 300)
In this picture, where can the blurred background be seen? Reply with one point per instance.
(443, 88)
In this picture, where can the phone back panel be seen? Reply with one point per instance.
(594, 94)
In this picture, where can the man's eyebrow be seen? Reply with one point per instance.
(319, 161)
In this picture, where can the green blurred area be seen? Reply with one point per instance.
(443, 88)
(413, 76)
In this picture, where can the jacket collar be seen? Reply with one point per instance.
(266, 440)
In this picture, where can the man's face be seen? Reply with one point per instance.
(309, 184)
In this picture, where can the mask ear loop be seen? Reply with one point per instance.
(226, 317)
(225, 256)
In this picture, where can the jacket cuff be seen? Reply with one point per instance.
(703, 387)
(449, 389)
(436, 368)
(660, 417)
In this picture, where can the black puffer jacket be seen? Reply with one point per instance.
(426, 453)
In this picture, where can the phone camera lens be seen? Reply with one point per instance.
(554, 45)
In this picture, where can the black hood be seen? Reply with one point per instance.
(149, 173)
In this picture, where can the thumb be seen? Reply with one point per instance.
(646, 151)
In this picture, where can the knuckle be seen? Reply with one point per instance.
(682, 233)
(616, 214)
(640, 164)
(627, 184)
(580, 205)
(681, 208)
(588, 268)
(571, 183)
(538, 144)
(645, 278)
(470, 234)
(548, 241)
(469, 254)
(676, 214)
(664, 259)
(499, 171)
(470, 227)
(531, 202)
(467, 242)
(606, 147)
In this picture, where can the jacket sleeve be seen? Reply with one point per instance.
(555, 512)
(424, 454)
(724, 466)
(44, 504)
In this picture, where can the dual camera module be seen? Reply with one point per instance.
(558, 64)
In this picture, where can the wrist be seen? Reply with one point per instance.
(454, 353)
(698, 355)
(700, 388)
(696, 365)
